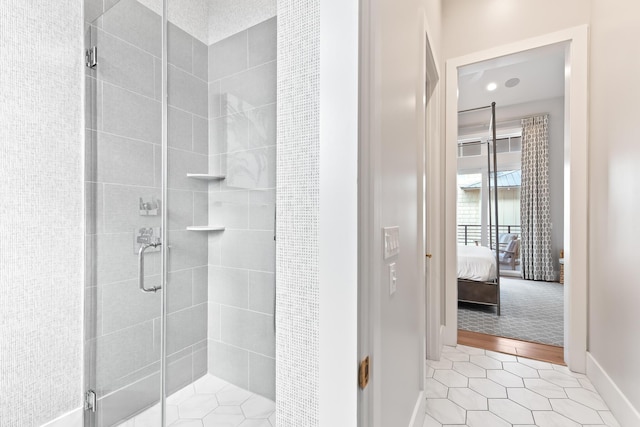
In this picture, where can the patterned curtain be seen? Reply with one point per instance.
(535, 216)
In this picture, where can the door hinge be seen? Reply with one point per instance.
(363, 373)
(91, 57)
(90, 401)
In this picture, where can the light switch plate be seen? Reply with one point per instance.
(393, 279)
(391, 241)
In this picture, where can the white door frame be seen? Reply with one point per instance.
(430, 192)
(575, 185)
(432, 201)
(369, 241)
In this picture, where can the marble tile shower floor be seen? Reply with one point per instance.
(210, 402)
(481, 388)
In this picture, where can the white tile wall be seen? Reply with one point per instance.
(40, 210)
(298, 205)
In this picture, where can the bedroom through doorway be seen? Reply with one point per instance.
(510, 197)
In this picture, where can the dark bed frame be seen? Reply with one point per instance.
(486, 293)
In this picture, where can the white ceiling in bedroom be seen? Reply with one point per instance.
(541, 72)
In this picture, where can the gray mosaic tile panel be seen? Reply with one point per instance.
(41, 209)
(298, 205)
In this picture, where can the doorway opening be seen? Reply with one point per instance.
(479, 79)
(510, 196)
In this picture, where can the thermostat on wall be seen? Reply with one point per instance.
(391, 241)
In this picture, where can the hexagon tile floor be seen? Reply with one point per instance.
(211, 402)
(481, 388)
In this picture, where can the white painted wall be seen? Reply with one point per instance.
(41, 206)
(395, 135)
(614, 289)
(433, 14)
(338, 211)
(473, 25)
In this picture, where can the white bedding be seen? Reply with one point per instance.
(476, 263)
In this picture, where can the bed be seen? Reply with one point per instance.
(478, 269)
(477, 276)
(477, 279)
(476, 263)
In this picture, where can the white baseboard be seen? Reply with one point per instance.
(70, 419)
(620, 406)
(419, 411)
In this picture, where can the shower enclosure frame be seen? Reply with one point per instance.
(91, 399)
(141, 343)
(163, 220)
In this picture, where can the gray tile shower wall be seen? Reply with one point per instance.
(242, 145)
(124, 126)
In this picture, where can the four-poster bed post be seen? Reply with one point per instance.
(487, 293)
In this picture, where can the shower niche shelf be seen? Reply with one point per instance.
(206, 176)
(206, 228)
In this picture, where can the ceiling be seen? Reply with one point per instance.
(541, 72)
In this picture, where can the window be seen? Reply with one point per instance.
(469, 149)
(507, 144)
(472, 214)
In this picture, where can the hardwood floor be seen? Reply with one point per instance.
(531, 350)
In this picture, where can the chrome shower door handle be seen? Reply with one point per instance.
(143, 248)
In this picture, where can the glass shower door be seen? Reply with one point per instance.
(183, 188)
(124, 210)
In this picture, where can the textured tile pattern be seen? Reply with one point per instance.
(227, 17)
(298, 206)
(505, 391)
(210, 402)
(40, 210)
(243, 147)
(531, 311)
(190, 15)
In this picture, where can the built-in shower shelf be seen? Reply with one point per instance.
(206, 228)
(206, 176)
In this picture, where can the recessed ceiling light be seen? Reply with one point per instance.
(512, 82)
(491, 87)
